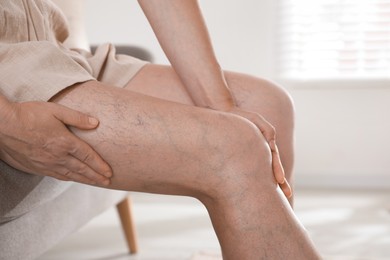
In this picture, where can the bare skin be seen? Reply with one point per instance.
(183, 35)
(250, 93)
(190, 129)
(222, 159)
(34, 139)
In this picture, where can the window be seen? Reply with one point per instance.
(339, 39)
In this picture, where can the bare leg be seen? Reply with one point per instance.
(222, 160)
(252, 94)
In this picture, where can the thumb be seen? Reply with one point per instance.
(75, 118)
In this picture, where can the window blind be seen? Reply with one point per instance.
(334, 38)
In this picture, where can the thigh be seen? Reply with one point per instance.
(155, 145)
(250, 93)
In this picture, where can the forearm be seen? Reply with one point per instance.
(182, 33)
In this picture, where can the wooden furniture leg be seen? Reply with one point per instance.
(125, 214)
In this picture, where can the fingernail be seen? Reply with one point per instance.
(93, 121)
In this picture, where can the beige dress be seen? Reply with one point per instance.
(34, 66)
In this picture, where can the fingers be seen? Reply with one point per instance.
(50, 149)
(74, 118)
(79, 162)
(88, 158)
(286, 188)
(77, 170)
(66, 175)
(72, 169)
(279, 170)
(268, 131)
(269, 134)
(277, 163)
(89, 164)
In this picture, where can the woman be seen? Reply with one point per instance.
(190, 129)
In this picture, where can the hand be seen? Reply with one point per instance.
(270, 135)
(34, 139)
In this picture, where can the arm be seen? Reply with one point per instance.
(34, 139)
(183, 35)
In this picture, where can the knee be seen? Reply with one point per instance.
(271, 101)
(286, 104)
(242, 160)
(262, 96)
(282, 101)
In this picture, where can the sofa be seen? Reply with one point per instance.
(38, 212)
(45, 211)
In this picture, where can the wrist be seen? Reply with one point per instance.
(222, 104)
(213, 93)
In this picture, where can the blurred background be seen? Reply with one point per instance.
(333, 56)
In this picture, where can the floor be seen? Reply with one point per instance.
(345, 225)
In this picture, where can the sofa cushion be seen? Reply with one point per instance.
(22, 192)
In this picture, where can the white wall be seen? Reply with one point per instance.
(234, 27)
(342, 129)
(343, 136)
